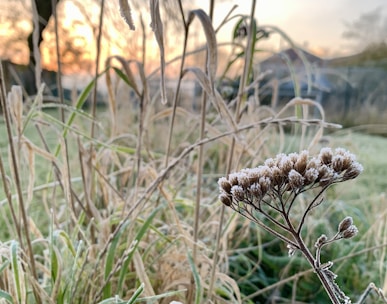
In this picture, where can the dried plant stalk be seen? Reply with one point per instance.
(267, 196)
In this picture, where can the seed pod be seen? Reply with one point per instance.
(320, 241)
(225, 199)
(345, 224)
(351, 231)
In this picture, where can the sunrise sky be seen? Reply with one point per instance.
(317, 25)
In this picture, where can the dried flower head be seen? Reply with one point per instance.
(351, 231)
(295, 172)
(321, 241)
(267, 193)
(345, 224)
(296, 180)
(326, 155)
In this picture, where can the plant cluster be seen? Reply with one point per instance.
(267, 196)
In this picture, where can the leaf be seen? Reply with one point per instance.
(136, 294)
(128, 77)
(216, 99)
(5, 295)
(79, 104)
(198, 289)
(212, 59)
(110, 258)
(140, 234)
(15, 269)
(157, 28)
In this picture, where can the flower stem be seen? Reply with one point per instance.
(319, 272)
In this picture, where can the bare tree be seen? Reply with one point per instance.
(369, 29)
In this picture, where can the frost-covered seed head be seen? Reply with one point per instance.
(325, 176)
(278, 159)
(285, 164)
(265, 171)
(225, 199)
(233, 178)
(326, 155)
(294, 157)
(313, 163)
(289, 173)
(269, 162)
(253, 175)
(224, 185)
(310, 176)
(351, 231)
(296, 181)
(255, 190)
(238, 192)
(321, 240)
(353, 171)
(265, 184)
(338, 163)
(277, 176)
(243, 180)
(345, 224)
(302, 162)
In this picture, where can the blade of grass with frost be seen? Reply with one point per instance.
(4, 265)
(157, 28)
(111, 254)
(305, 101)
(128, 76)
(53, 258)
(217, 100)
(98, 143)
(212, 51)
(15, 270)
(198, 289)
(76, 265)
(144, 228)
(133, 299)
(136, 294)
(161, 296)
(38, 101)
(57, 270)
(79, 104)
(62, 235)
(81, 100)
(141, 273)
(6, 296)
(252, 42)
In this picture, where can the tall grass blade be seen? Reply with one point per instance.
(212, 52)
(157, 27)
(196, 276)
(6, 296)
(110, 258)
(136, 294)
(78, 105)
(154, 299)
(15, 270)
(138, 237)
